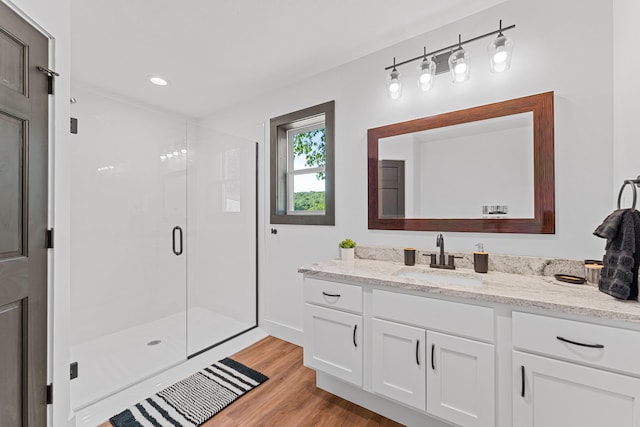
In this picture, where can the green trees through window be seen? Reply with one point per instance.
(310, 147)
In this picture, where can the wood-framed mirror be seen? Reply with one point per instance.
(486, 169)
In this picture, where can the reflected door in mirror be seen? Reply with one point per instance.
(392, 194)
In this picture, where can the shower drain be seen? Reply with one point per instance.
(154, 342)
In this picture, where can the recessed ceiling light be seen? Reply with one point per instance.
(158, 81)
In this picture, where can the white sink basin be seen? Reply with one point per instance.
(441, 277)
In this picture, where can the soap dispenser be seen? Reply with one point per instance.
(480, 259)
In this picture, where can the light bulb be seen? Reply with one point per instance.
(459, 65)
(500, 53)
(500, 56)
(394, 84)
(460, 68)
(427, 70)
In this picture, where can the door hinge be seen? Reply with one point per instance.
(49, 394)
(50, 238)
(73, 370)
(50, 75)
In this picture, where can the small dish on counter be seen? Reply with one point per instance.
(568, 278)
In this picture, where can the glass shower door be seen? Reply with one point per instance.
(128, 247)
(222, 268)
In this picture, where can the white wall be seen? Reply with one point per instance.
(626, 87)
(555, 45)
(461, 174)
(52, 17)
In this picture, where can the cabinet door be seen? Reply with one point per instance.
(551, 393)
(398, 362)
(461, 380)
(333, 343)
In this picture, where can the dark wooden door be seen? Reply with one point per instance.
(391, 187)
(23, 221)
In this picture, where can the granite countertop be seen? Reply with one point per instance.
(530, 291)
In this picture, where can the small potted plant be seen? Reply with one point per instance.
(347, 249)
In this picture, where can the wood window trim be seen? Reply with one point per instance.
(278, 163)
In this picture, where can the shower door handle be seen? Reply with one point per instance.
(177, 229)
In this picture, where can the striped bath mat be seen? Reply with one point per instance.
(193, 400)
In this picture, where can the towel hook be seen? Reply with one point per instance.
(633, 183)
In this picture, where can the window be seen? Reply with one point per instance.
(302, 163)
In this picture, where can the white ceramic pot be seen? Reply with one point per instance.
(347, 254)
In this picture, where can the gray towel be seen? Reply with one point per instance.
(619, 276)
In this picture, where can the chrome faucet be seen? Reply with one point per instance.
(449, 265)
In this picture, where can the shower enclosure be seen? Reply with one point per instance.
(163, 242)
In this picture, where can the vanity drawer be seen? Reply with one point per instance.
(464, 320)
(333, 294)
(609, 347)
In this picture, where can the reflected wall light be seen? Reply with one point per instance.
(453, 59)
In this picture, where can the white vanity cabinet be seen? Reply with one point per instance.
(499, 356)
(562, 373)
(333, 329)
(398, 362)
(461, 380)
(449, 376)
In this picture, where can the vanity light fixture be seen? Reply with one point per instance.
(427, 72)
(394, 84)
(453, 59)
(500, 51)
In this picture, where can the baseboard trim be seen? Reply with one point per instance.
(284, 332)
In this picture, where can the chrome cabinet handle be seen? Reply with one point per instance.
(580, 343)
(178, 251)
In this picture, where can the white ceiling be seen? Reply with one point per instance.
(221, 52)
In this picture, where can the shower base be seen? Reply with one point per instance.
(112, 363)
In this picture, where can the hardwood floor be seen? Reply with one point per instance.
(289, 398)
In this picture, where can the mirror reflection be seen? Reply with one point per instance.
(481, 169)
(486, 169)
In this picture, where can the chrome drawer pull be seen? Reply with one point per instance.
(580, 343)
(330, 295)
